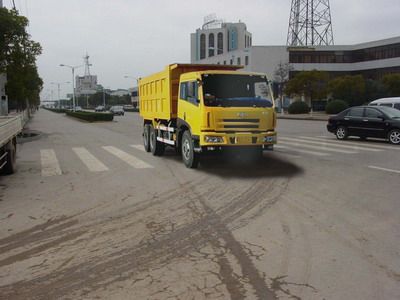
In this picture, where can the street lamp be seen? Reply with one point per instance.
(73, 82)
(137, 84)
(58, 88)
(104, 97)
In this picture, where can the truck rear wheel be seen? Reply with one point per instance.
(146, 137)
(156, 147)
(10, 166)
(189, 157)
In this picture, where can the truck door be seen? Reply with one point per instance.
(189, 106)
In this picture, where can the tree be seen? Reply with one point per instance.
(348, 88)
(391, 83)
(311, 84)
(18, 60)
(281, 76)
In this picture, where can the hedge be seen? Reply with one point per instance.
(56, 110)
(131, 109)
(298, 107)
(90, 116)
(336, 106)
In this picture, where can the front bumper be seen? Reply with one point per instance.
(331, 128)
(238, 138)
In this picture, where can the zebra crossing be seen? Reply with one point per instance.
(50, 164)
(292, 146)
(324, 146)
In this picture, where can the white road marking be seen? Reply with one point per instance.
(305, 139)
(302, 150)
(91, 162)
(50, 165)
(128, 158)
(384, 169)
(315, 147)
(139, 147)
(369, 144)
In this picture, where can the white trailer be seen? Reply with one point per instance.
(10, 127)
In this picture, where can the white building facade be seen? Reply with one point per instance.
(231, 44)
(372, 59)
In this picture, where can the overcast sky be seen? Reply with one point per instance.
(139, 37)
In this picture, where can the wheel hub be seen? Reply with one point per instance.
(186, 149)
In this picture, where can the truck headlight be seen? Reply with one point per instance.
(214, 139)
(269, 139)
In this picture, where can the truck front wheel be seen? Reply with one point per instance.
(10, 166)
(156, 147)
(189, 157)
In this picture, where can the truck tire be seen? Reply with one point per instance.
(146, 137)
(156, 147)
(10, 166)
(189, 157)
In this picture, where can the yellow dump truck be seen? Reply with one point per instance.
(197, 108)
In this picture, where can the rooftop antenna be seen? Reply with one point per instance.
(310, 23)
(87, 64)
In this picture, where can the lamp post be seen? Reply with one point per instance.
(58, 89)
(104, 97)
(73, 82)
(137, 85)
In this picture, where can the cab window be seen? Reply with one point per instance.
(189, 92)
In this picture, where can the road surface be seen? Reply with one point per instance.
(90, 215)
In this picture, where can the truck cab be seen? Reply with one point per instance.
(227, 108)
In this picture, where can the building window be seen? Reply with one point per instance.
(224, 62)
(232, 39)
(246, 60)
(202, 46)
(211, 45)
(238, 61)
(231, 61)
(220, 43)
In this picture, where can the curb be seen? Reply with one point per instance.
(304, 118)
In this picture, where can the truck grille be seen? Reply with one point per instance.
(238, 124)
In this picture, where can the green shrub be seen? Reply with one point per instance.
(298, 107)
(336, 106)
(91, 116)
(131, 109)
(56, 110)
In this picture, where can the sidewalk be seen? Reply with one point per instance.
(316, 116)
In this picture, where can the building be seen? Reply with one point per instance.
(372, 59)
(224, 43)
(119, 92)
(217, 38)
(85, 85)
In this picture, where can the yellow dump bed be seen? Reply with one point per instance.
(158, 93)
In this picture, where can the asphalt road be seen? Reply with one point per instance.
(90, 215)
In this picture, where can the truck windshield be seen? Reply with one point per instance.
(236, 90)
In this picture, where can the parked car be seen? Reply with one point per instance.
(389, 102)
(367, 121)
(117, 110)
(100, 108)
(78, 108)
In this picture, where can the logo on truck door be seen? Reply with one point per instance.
(242, 115)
